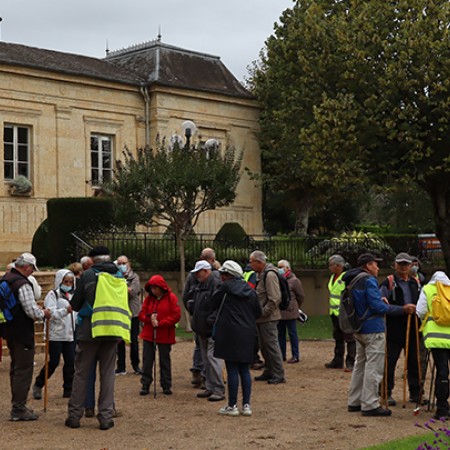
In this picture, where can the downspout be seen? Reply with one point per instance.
(144, 92)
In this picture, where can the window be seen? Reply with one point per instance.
(101, 159)
(16, 151)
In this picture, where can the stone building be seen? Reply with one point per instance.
(66, 119)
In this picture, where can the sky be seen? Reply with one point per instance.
(235, 30)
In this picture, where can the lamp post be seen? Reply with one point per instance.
(189, 129)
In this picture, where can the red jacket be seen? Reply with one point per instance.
(167, 309)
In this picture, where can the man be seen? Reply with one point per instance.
(86, 262)
(197, 368)
(134, 302)
(437, 339)
(269, 296)
(336, 265)
(370, 340)
(20, 335)
(103, 348)
(201, 324)
(400, 289)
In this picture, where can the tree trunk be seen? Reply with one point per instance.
(181, 247)
(438, 188)
(302, 210)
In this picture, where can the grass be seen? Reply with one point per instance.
(412, 442)
(315, 328)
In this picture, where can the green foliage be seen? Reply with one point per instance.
(41, 244)
(231, 233)
(66, 215)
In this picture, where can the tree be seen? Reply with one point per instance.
(391, 92)
(173, 187)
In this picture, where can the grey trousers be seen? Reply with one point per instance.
(86, 353)
(20, 374)
(367, 371)
(213, 367)
(270, 349)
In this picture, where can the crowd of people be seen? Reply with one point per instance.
(97, 307)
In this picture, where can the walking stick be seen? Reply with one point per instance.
(154, 362)
(405, 375)
(419, 367)
(384, 385)
(47, 345)
(422, 383)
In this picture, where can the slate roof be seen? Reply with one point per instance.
(150, 63)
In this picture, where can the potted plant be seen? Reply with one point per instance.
(21, 185)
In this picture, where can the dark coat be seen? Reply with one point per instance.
(297, 297)
(235, 328)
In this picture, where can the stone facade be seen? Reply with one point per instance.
(63, 100)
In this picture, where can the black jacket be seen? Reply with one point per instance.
(235, 328)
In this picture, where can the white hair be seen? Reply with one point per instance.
(259, 256)
(284, 263)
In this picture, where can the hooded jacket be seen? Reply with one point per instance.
(297, 297)
(167, 310)
(62, 323)
(235, 327)
(422, 306)
(367, 300)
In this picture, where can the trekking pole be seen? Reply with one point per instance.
(419, 367)
(384, 385)
(47, 346)
(422, 383)
(154, 362)
(405, 372)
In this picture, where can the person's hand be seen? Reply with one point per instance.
(409, 308)
(154, 319)
(47, 314)
(69, 309)
(385, 300)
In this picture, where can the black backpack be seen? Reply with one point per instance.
(284, 289)
(349, 321)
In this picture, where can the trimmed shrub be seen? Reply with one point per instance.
(40, 244)
(231, 233)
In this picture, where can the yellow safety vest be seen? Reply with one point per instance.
(111, 315)
(335, 290)
(434, 335)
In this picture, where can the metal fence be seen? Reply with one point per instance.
(152, 252)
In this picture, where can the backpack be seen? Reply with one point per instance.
(284, 289)
(440, 305)
(8, 303)
(349, 321)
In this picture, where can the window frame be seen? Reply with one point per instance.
(100, 178)
(16, 144)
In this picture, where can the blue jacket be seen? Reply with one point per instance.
(367, 298)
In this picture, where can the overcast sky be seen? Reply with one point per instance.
(235, 30)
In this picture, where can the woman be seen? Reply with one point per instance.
(289, 316)
(61, 333)
(160, 313)
(234, 331)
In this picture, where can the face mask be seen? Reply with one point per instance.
(123, 268)
(414, 270)
(281, 271)
(65, 288)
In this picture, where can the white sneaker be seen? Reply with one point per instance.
(229, 411)
(246, 410)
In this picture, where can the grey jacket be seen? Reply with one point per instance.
(269, 294)
(134, 292)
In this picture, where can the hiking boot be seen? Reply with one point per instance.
(204, 394)
(441, 415)
(334, 365)
(349, 367)
(196, 379)
(167, 391)
(293, 361)
(229, 411)
(258, 365)
(276, 381)
(355, 408)
(263, 377)
(216, 397)
(72, 423)
(391, 401)
(377, 412)
(67, 393)
(120, 372)
(37, 392)
(89, 412)
(137, 370)
(24, 416)
(144, 390)
(246, 410)
(106, 425)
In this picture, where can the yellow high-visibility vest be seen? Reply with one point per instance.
(335, 288)
(111, 315)
(434, 335)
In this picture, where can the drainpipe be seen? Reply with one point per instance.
(144, 92)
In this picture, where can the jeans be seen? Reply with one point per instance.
(291, 327)
(236, 370)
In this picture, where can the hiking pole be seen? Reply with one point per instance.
(384, 385)
(47, 346)
(422, 383)
(405, 372)
(154, 361)
(419, 367)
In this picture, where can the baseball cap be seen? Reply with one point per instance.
(200, 265)
(231, 267)
(100, 250)
(403, 257)
(366, 258)
(29, 259)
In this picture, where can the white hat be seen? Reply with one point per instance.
(200, 265)
(231, 267)
(29, 259)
